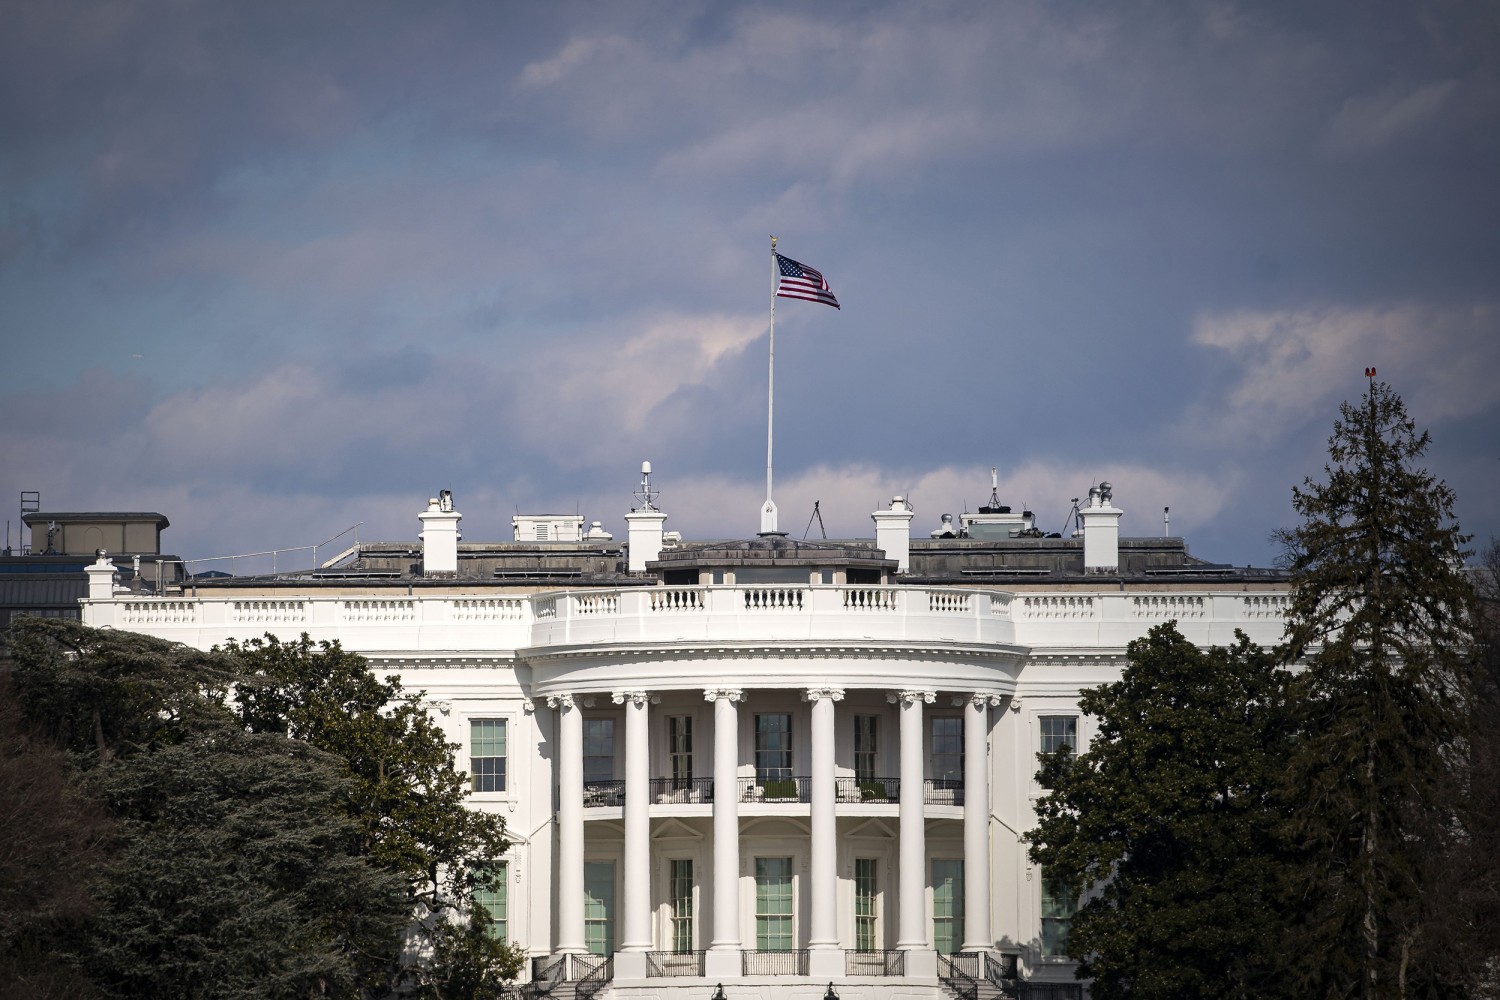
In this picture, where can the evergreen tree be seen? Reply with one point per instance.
(1381, 619)
(407, 800)
(1168, 823)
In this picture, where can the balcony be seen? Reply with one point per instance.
(793, 790)
(682, 791)
(774, 963)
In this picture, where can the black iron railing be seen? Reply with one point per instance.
(774, 963)
(683, 791)
(874, 790)
(596, 980)
(970, 963)
(603, 793)
(547, 972)
(1003, 973)
(963, 985)
(1049, 991)
(674, 963)
(874, 963)
(943, 792)
(790, 789)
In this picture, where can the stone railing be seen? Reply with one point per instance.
(669, 615)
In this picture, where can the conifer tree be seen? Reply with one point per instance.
(1380, 618)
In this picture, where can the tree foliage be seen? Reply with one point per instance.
(406, 798)
(1381, 616)
(1168, 822)
(279, 821)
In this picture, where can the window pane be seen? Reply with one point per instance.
(1058, 905)
(680, 738)
(947, 748)
(487, 755)
(773, 747)
(682, 904)
(866, 747)
(489, 894)
(773, 904)
(599, 907)
(1059, 731)
(865, 926)
(598, 749)
(947, 905)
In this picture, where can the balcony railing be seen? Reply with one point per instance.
(603, 793)
(682, 791)
(943, 791)
(674, 963)
(874, 963)
(791, 789)
(871, 790)
(774, 963)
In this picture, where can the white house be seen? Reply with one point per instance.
(769, 764)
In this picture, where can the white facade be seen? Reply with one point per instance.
(805, 782)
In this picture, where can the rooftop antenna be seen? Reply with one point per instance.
(817, 515)
(994, 488)
(1166, 522)
(646, 495)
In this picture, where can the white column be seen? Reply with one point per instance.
(977, 935)
(636, 928)
(569, 825)
(912, 924)
(823, 871)
(724, 946)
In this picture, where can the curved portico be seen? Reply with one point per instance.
(783, 749)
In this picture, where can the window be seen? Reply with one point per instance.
(486, 755)
(773, 904)
(489, 895)
(773, 748)
(681, 891)
(680, 749)
(1059, 734)
(948, 750)
(866, 928)
(598, 749)
(599, 907)
(866, 747)
(947, 905)
(1058, 904)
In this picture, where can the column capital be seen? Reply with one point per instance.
(560, 701)
(908, 697)
(728, 694)
(817, 694)
(636, 698)
(978, 699)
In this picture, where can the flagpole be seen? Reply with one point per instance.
(768, 512)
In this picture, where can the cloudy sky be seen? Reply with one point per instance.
(273, 269)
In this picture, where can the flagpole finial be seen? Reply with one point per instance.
(773, 244)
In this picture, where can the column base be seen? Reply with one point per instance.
(921, 963)
(630, 966)
(723, 963)
(826, 963)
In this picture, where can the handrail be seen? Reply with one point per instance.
(962, 984)
(874, 963)
(596, 980)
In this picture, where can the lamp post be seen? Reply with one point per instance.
(830, 995)
(718, 993)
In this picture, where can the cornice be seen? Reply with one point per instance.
(791, 649)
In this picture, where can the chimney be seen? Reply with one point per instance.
(1101, 531)
(440, 536)
(644, 524)
(101, 577)
(893, 532)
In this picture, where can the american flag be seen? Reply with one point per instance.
(798, 281)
